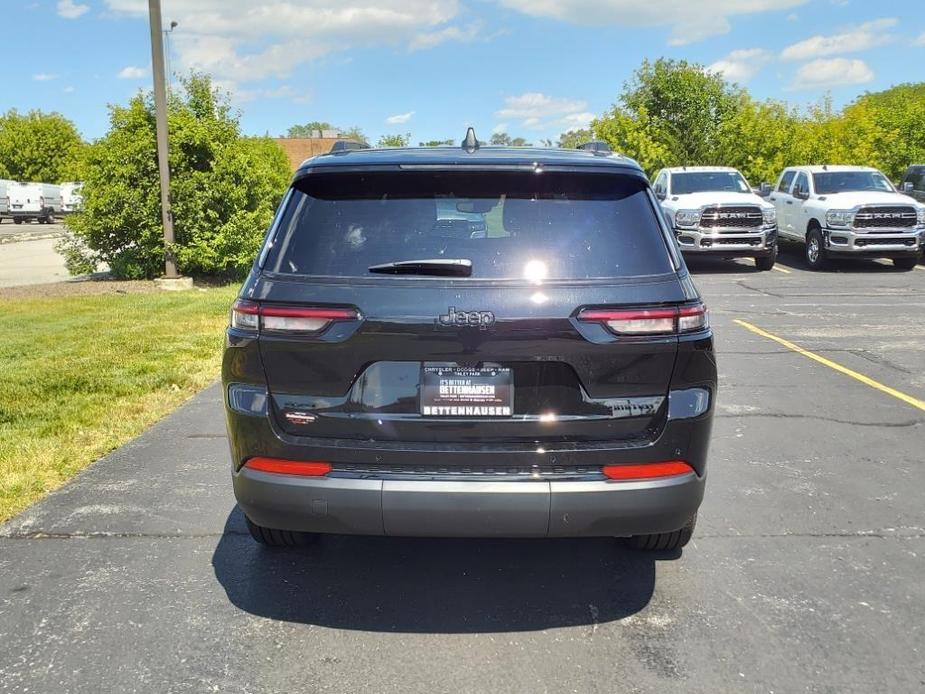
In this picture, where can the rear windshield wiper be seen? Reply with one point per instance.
(442, 267)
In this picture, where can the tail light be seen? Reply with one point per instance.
(646, 471)
(247, 315)
(650, 321)
(300, 468)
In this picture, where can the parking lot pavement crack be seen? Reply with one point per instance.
(878, 360)
(758, 290)
(850, 422)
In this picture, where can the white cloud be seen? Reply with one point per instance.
(689, 21)
(832, 72)
(130, 72)
(243, 41)
(741, 65)
(851, 40)
(920, 41)
(577, 121)
(537, 111)
(68, 90)
(500, 128)
(71, 10)
(399, 118)
(451, 33)
(793, 17)
(44, 77)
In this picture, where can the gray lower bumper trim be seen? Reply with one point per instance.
(466, 508)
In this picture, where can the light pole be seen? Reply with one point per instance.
(167, 33)
(160, 107)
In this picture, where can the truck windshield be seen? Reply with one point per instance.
(506, 224)
(832, 182)
(708, 182)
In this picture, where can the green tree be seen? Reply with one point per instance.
(224, 189)
(437, 143)
(670, 113)
(501, 139)
(311, 129)
(573, 138)
(760, 139)
(353, 133)
(38, 146)
(887, 127)
(398, 140)
(520, 142)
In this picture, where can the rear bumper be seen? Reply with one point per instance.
(757, 243)
(447, 508)
(880, 245)
(431, 489)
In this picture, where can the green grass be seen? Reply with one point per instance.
(82, 375)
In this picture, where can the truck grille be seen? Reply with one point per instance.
(885, 218)
(731, 218)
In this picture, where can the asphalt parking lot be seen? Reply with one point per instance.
(805, 573)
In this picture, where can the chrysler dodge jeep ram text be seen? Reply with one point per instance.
(394, 366)
(714, 211)
(848, 211)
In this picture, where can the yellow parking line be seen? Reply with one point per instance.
(908, 399)
(781, 269)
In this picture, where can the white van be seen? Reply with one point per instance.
(5, 197)
(40, 201)
(71, 198)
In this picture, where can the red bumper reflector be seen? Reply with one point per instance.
(302, 468)
(646, 471)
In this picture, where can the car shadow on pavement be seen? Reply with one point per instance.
(411, 585)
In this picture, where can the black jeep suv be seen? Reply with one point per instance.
(390, 371)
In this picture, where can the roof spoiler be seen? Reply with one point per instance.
(347, 146)
(596, 146)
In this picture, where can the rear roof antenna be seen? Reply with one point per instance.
(471, 143)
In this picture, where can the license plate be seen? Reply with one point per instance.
(464, 392)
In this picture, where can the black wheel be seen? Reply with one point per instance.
(766, 262)
(50, 218)
(17, 220)
(815, 250)
(661, 542)
(906, 263)
(278, 538)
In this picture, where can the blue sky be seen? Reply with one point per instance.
(531, 67)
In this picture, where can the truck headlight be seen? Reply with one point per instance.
(687, 218)
(838, 218)
(921, 213)
(770, 215)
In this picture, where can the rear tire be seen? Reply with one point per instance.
(815, 250)
(766, 262)
(278, 538)
(906, 263)
(663, 542)
(17, 220)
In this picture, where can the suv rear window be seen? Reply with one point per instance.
(578, 226)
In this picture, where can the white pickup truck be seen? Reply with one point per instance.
(41, 201)
(713, 211)
(848, 211)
